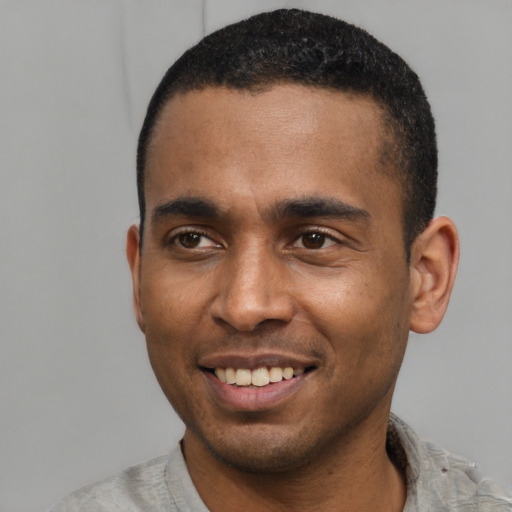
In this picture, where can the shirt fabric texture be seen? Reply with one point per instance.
(437, 480)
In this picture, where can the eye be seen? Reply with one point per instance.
(193, 240)
(314, 240)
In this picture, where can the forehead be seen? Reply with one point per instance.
(289, 140)
(283, 109)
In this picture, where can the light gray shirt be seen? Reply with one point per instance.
(437, 481)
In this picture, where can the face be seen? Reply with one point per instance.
(273, 246)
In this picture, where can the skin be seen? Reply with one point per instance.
(273, 237)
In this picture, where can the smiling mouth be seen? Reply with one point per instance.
(259, 377)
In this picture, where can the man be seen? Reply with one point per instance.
(287, 172)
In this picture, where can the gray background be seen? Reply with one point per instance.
(78, 398)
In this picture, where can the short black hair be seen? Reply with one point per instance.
(315, 50)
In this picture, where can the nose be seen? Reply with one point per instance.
(252, 290)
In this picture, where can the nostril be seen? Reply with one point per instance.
(252, 314)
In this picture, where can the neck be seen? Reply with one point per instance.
(356, 475)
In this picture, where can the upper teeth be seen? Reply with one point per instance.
(258, 377)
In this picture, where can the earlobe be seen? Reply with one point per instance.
(133, 256)
(434, 262)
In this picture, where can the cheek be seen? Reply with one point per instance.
(363, 315)
(170, 324)
(340, 299)
(172, 303)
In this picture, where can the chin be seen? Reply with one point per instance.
(263, 452)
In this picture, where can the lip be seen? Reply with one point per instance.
(253, 399)
(256, 360)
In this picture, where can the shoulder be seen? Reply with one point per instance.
(138, 488)
(462, 486)
(440, 480)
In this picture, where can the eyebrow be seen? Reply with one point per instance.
(186, 207)
(305, 207)
(308, 207)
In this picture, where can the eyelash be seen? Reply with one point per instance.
(174, 239)
(317, 230)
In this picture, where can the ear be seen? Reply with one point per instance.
(434, 262)
(133, 255)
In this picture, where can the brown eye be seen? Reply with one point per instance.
(313, 240)
(194, 240)
(189, 240)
